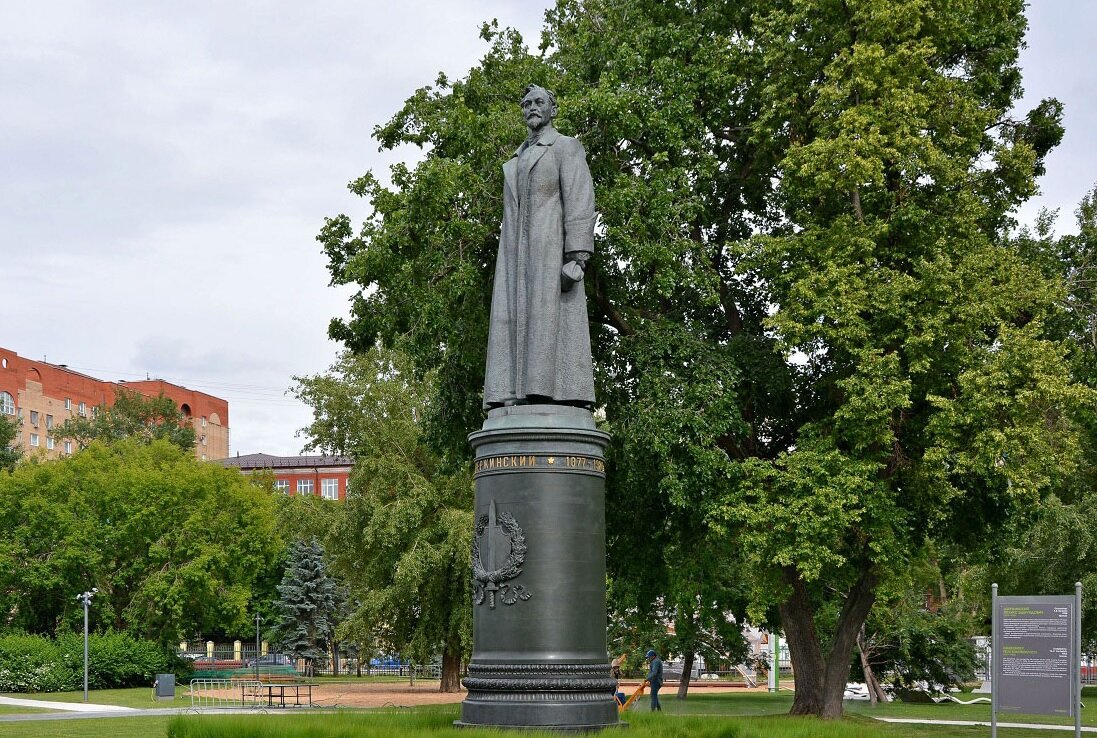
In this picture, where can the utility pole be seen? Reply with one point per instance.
(85, 597)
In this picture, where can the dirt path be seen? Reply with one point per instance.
(359, 694)
(366, 694)
(425, 692)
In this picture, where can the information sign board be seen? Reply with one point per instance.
(1035, 654)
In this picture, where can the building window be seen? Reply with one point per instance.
(49, 422)
(34, 418)
(68, 447)
(34, 439)
(281, 485)
(203, 440)
(7, 404)
(49, 442)
(203, 457)
(304, 486)
(83, 412)
(329, 489)
(203, 421)
(68, 404)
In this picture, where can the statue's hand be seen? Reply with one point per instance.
(572, 272)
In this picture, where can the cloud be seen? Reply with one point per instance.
(165, 168)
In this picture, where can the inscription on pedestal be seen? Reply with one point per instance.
(533, 462)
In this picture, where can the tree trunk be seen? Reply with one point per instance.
(687, 674)
(451, 671)
(821, 681)
(803, 648)
(335, 658)
(875, 691)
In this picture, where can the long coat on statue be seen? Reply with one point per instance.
(538, 340)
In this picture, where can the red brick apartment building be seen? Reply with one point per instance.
(323, 476)
(42, 396)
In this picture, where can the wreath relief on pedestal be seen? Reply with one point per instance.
(493, 531)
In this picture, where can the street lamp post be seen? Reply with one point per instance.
(258, 620)
(85, 597)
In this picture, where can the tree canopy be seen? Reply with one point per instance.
(173, 545)
(815, 343)
(133, 415)
(401, 541)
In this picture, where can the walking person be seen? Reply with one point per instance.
(654, 678)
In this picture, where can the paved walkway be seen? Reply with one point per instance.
(79, 710)
(68, 706)
(986, 724)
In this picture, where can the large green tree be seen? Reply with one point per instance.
(133, 415)
(173, 545)
(1059, 548)
(813, 339)
(401, 541)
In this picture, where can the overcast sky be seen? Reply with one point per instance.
(165, 168)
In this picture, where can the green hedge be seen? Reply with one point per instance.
(31, 663)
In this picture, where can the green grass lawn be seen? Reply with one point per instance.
(129, 727)
(16, 710)
(762, 703)
(435, 722)
(735, 715)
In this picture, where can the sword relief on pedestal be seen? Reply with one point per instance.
(495, 533)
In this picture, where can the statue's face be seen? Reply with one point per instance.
(537, 108)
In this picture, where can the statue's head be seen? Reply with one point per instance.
(538, 107)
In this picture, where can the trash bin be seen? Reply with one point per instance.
(164, 687)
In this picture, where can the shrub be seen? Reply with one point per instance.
(31, 663)
(116, 659)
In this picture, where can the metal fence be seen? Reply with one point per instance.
(235, 657)
(350, 666)
(224, 693)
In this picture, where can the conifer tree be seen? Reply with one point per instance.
(308, 603)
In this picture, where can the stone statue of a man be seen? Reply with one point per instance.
(538, 340)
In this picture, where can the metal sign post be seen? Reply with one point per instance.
(1078, 660)
(994, 636)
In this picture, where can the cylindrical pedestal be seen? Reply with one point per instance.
(539, 566)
